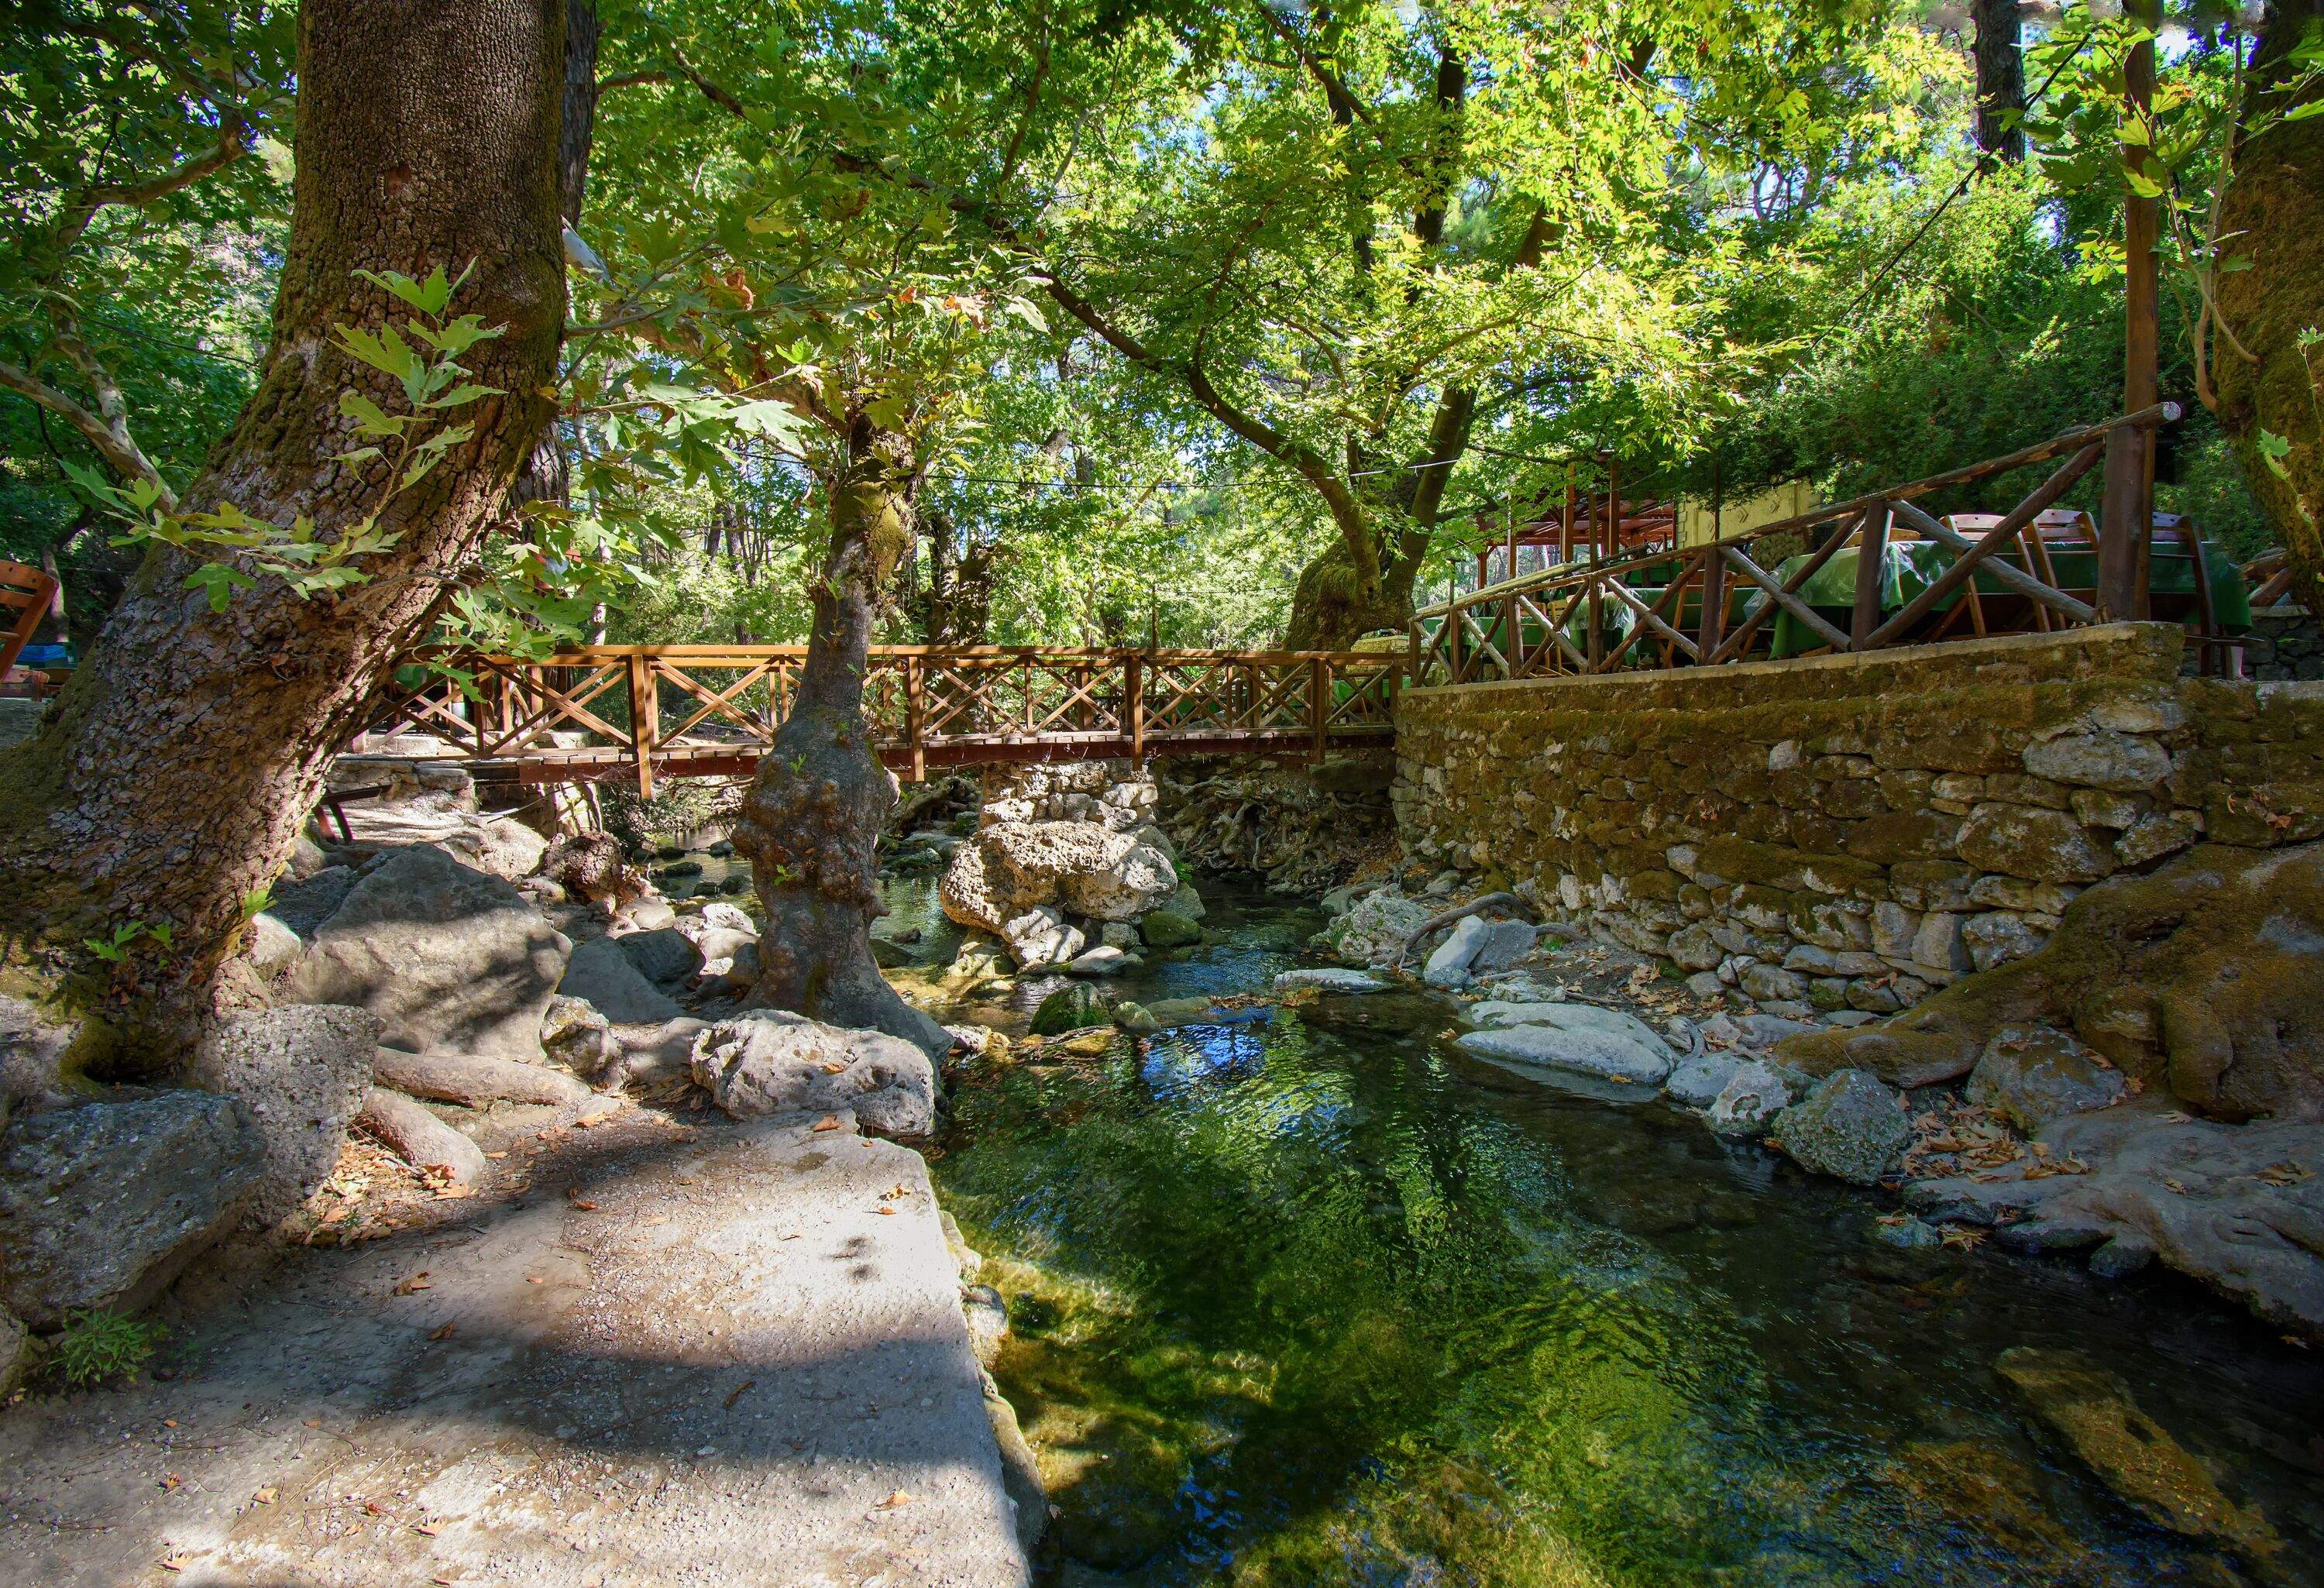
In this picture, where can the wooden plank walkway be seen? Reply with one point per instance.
(661, 711)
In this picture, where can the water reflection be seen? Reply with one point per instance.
(1321, 1302)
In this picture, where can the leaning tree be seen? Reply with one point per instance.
(327, 528)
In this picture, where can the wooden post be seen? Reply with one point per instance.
(914, 717)
(2120, 517)
(1565, 521)
(1597, 646)
(1711, 627)
(645, 711)
(1133, 706)
(1319, 702)
(2141, 300)
(1871, 543)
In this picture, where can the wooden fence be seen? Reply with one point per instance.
(1716, 602)
(712, 710)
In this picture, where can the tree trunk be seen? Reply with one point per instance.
(2274, 212)
(188, 751)
(1331, 608)
(821, 798)
(2000, 79)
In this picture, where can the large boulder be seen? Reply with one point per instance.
(1080, 867)
(302, 1071)
(15, 1356)
(102, 1206)
(2204, 979)
(32, 1048)
(1167, 929)
(667, 957)
(1071, 1007)
(1850, 1126)
(1041, 937)
(1754, 1095)
(307, 903)
(1374, 929)
(2031, 1074)
(1581, 1037)
(771, 1061)
(610, 981)
(447, 957)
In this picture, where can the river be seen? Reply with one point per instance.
(1321, 1301)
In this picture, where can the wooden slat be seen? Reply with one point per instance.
(2017, 519)
(2025, 584)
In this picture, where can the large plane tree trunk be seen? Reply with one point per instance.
(1332, 606)
(817, 807)
(170, 786)
(2274, 212)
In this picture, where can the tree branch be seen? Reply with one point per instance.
(112, 442)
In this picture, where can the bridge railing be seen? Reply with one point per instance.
(714, 709)
(1856, 576)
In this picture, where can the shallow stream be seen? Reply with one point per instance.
(1323, 1302)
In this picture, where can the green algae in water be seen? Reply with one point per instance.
(1312, 1304)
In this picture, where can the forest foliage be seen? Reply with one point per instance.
(1162, 307)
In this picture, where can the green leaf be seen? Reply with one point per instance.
(2141, 184)
(2274, 448)
(459, 396)
(370, 420)
(429, 296)
(887, 412)
(385, 352)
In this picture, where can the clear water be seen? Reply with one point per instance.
(1321, 1302)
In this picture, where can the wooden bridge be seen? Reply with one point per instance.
(661, 711)
(1858, 576)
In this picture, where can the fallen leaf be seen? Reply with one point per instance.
(580, 1205)
(835, 1069)
(534, 1279)
(829, 1121)
(895, 1500)
(441, 1331)
(314, 1422)
(170, 1480)
(427, 1529)
(1961, 1236)
(739, 1391)
(497, 1155)
(884, 1208)
(171, 1563)
(418, 1281)
(2286, 1173)
(265, 1496)
(2175, 1186)
(374, 1508)
(169, 1422)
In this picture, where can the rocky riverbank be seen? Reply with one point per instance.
(1985, 1110)
(493, 1061)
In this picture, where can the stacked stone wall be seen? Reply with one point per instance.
(1852, 834)
(2284, 643)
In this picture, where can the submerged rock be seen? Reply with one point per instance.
(1069, 1008)
(1167, 929)
(1850, 1126)
(103, 1205)
(2091, 1412)
(1581, 1037)
(1328, 980)
(771, 1061)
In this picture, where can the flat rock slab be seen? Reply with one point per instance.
(744, 1365)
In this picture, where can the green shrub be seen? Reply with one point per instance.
(96, 1346)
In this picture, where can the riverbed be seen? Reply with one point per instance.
(1322, 1301)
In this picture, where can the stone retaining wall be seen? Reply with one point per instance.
(1848, 833)
(2285, 642)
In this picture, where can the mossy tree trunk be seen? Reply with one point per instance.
(2274, 212)
(814, 812)
(170, 784)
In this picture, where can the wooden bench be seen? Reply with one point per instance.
(25, 593)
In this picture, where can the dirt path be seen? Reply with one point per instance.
(722, 1353)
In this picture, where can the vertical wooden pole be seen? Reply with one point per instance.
(1133, 693)
(1609, 533)
(1713, 626)
(1319, 702)
(645, 710)
(1871, 544)
(1565, 521)
(2119, 526)
(1597, 645)
(2142, 293)
(915, 718)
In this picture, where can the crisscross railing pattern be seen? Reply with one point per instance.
(712, 710)
(1715, 602)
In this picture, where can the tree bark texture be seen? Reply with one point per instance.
(2000, 79)
(2274, 212)
(172, 780)
(815, 809)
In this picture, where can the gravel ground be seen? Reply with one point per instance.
(659, 1353)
